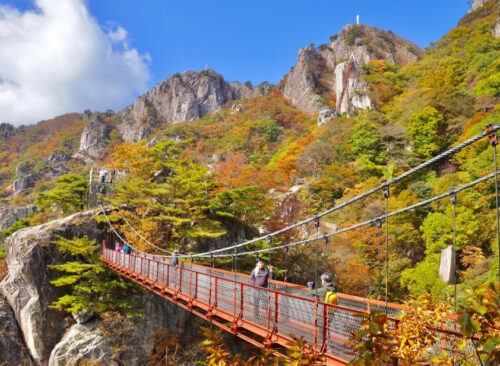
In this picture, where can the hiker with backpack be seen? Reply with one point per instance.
(260, 277)
(328, 292)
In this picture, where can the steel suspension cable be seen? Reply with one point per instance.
(379, 226)
(371, 221)
(492, 136)
(386, 195)
(453, 197)
(316, 284)
(337, 232)
(419, 167)
(325, 241)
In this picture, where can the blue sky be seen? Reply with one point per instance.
(258, 40)
(153, 39)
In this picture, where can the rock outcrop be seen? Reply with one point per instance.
(478, 4)
(12, 348)
(367, 43)
(83, 342)
(53, 338)
(27, 286)
(181, 97)
(301, 82)
(496, 30)
(94, 138)
(326, 114)
(315, 78)
(7, 131)
(11, 214)
(22, 184)
(355, 95)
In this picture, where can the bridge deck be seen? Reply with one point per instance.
(264, 317)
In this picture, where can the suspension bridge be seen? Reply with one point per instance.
(267, 317)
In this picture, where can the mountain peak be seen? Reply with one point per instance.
(181, 97)
(311, 85)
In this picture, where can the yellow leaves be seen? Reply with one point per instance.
(134, 158)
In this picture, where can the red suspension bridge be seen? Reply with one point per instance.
(265, 317)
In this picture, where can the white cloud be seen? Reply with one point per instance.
(58, 59)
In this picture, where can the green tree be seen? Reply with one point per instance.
(426, 128)
(246, 204)
(366, 143)
(68, 196)
(91, 284)
(270, 130)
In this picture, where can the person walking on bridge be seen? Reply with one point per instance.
(175, 257)
(260, 277)
(326, 290)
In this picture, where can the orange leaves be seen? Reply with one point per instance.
(134, 158)
(288, 160)
(354, 277)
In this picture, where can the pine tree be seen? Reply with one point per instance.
(91, 284)
(69, 194)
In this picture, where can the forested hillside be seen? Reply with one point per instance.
(199, 163)
(268, 164)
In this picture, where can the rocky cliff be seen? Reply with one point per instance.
(181, 97)
(303, 79)
(12, 348)
(316, 81)
(94, 138)
(11, 214)
(478, 4)
(50, 336)
(355, 95)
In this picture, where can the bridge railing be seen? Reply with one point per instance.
(268, 312)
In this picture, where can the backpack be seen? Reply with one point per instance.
(331, 297)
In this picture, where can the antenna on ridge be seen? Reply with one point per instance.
(357, 19)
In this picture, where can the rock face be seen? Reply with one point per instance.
(355, 95)
(496, 31)
(477, 4)
(23, 183)
(301, 82)
(57, 158)
(181, 97)
(310, 84)
(326, 114)
(83, 342)
(27, 285)
(12, 348)
(94, 138)
(10, 215)
(50, 337)
(7, 131)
